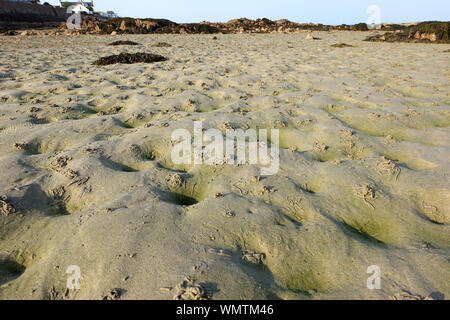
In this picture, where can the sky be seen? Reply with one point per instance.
(330, 12)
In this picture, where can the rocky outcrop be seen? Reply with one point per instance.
(144, 26)
(264, 25)
(243, 25)
(26, 16)
(17, 15)
(425, 32)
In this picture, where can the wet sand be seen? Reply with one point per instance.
(87, 179)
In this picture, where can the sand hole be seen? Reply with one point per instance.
(9, 270)
(118, 166)
(179, 199)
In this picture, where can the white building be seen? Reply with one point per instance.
(87, 4)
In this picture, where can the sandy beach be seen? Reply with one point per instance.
(87, 178)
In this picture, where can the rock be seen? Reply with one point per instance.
(425, 32)
(189, 290)
(123, 26)
(5, 207)
(148, 25)
(428, 36)
(114, 294)
(253, 257)
(310, 37)
(243, 25)
(283, 21)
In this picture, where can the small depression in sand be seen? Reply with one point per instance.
(9, 270)
(179, 199)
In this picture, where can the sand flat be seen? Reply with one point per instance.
(85, 165)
